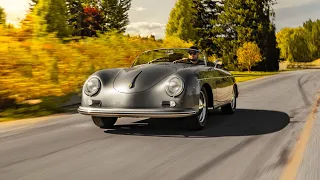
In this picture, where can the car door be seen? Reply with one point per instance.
(207, 75)
(226, 87)
(214, 79)
(219, 86)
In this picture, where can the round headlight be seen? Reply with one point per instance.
(92, 86)
(174, 86)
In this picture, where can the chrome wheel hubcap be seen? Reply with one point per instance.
(202, 107)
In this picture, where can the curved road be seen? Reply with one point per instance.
(255, 143)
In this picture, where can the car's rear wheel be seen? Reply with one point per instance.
(231, 107)
(104, 122)
(198, 121)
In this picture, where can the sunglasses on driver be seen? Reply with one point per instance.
(193, 53)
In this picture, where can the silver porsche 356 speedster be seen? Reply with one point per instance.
(161, 83)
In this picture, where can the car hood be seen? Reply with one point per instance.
(143, 77)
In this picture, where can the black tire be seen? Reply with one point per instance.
(231, 107)
(197, 122)
(104, 122)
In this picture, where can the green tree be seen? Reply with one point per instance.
(51, 15)
(308, 25)
(205, 12)
(299, 46)
(314, 40)
(271, 51)
(115, 14)
(76, 16)
(249, 55)
(312, 34)
(285, 43)
(57, 18)
(225, 28)
(247, 21)
(38, 16)
(2, 16)
(180, 21)
(294, 44)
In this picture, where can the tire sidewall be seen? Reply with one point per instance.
(104, 122)
(206, 109)
(233, 109)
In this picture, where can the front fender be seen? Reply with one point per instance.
(106, 76)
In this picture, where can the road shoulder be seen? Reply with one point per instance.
(296, 164)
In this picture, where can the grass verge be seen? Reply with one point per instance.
(33, 111)
(246, 76)
(48, 106)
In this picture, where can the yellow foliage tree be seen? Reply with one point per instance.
(35, 67)
(249, 55)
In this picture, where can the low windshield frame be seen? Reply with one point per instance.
(168, 49)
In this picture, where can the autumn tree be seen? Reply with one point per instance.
(92, 22)
(249, 55)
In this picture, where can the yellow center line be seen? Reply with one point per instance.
(292, 167)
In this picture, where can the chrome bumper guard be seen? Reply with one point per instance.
(150, 113)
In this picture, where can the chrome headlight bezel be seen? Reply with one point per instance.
(95, 90)
(170, 91)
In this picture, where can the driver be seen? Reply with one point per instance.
(193, 56)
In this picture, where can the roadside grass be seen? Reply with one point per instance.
(246, 76)
(24, 112)
(50, 106)
(32, 111)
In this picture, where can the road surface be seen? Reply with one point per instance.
(260, 141)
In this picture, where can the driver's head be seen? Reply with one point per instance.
(193, 53)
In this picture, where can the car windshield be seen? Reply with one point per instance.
(169, 55)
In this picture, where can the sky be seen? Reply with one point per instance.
(150, 17)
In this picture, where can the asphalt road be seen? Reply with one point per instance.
(254, 143)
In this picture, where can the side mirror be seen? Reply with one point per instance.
(218, 63)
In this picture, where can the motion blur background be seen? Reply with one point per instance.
(49, 47)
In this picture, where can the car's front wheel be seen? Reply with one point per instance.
(198, 121)
(104, 122)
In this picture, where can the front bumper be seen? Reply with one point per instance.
(150, 113)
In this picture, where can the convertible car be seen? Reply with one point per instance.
(161, 83)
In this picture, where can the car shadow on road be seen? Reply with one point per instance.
(245, 122)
